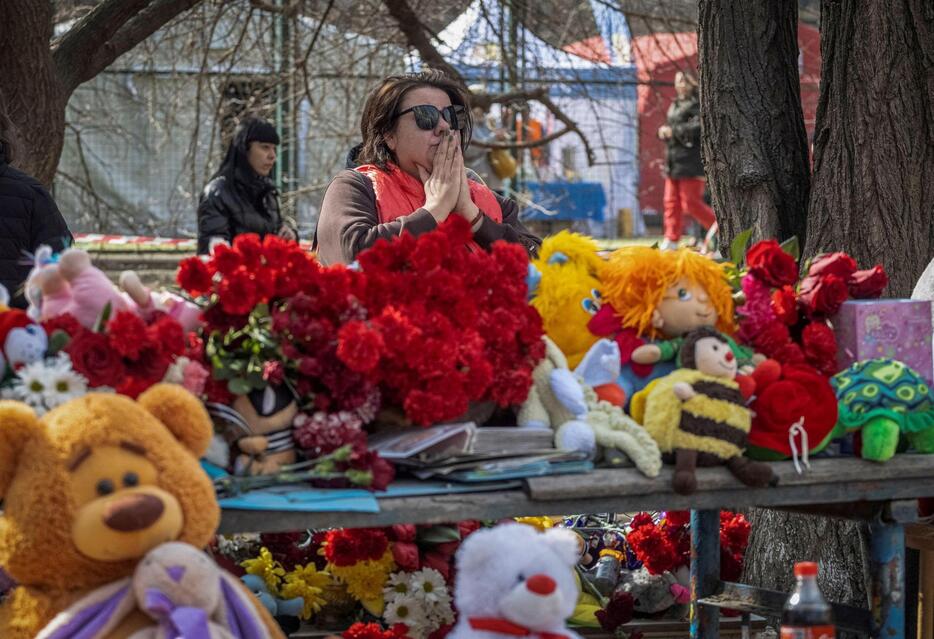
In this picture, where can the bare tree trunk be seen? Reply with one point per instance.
(30, 85)
(873, 193)
(754, 141)
(779, 539)
(37, 78)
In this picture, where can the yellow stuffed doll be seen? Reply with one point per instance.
(697, 414)
(92, 487)
(568, 293)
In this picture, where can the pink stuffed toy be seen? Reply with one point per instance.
(72, 285)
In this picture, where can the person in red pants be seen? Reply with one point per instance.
(684, 184)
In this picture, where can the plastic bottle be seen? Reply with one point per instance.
(807, 614)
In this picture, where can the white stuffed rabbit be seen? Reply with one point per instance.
(187, 595)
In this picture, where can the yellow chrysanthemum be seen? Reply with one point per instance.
(308, 583)
(540, 523)
(268, 568)
(365, 579)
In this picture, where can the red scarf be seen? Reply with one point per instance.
(398, 193)
(506, 627)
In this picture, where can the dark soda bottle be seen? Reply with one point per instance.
(807, 615)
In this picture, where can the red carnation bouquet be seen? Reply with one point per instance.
(444, 326)
(786, 319)
(126, 353)
(665, 545)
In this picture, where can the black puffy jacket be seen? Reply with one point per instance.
(28, 218)
(226, 210)
(684, 154)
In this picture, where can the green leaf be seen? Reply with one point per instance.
(104, 318)
(238, 386)
(58, 341)
(738, 247)
(792, 247)
(438, 535)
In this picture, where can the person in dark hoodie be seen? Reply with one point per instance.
(240, 198)
(28, 216)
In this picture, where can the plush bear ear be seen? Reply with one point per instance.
(18, 423)
(478, 550)
(182, 413)
(564, 543)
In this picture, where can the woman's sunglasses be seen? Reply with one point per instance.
(427, 115)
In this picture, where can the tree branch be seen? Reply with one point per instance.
(415, 34)
(77, 71)
(531, 144)
(97, 26)
(290, 10)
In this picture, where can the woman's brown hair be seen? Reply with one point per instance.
(382, 106)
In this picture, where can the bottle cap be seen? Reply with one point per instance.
(610, 552)
(805, 569)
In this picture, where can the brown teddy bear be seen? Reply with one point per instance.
(91, 488)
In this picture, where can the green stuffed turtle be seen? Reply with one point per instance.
(885, 399)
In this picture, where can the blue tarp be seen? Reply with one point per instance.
(568, 200)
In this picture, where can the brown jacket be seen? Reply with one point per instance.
(349, 223)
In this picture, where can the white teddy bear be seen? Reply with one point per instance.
(514, 581)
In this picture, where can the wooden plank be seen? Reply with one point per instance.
(920, 536)
(905, 477)
(629, 481)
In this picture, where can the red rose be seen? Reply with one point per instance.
(194, 276)
(822, 296)
(839, 264)
(771, 338)
(785, 305)
(93, 356)
(771, 265)
(820, 347)
(868, 284)
(405, 554)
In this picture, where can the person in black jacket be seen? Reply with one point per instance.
(684, 184)
(241, 198)
(28, 217)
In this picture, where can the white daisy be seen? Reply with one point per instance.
(397, 586)
(407, 610)
(31, 383)
(64, 383)
(428, 584)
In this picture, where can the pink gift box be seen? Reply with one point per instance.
(897, 329)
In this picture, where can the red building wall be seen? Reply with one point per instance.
(658, 57)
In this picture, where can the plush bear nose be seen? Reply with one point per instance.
(541, 584)
(729, 356)
(133, 512)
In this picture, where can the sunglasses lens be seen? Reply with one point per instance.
(426, 117)
(455, 116)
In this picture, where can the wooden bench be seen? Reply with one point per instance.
(880, 493)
